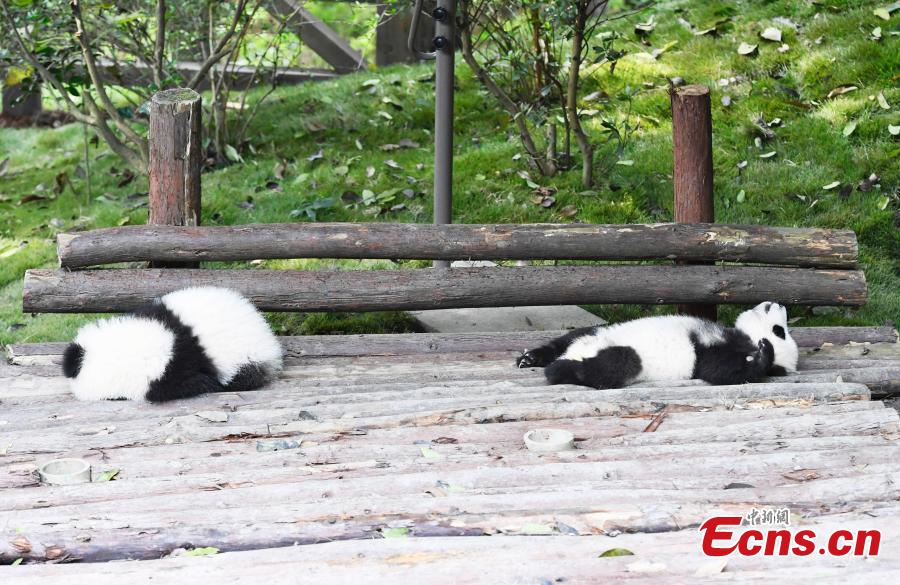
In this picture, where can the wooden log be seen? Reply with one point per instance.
(880, 344)
(318, 36)
(175, 153)
(804, 247)
(101, 291)
(693, 171)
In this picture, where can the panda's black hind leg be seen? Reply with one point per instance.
(545, 354)
(612, 367)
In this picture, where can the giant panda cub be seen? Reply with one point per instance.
(186, 343)
(671, 348)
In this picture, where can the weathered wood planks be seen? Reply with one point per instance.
(808, 247)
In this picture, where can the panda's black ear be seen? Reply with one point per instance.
(72, 358)
(778, 330)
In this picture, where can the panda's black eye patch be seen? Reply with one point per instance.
(72, 359)
(778, 330)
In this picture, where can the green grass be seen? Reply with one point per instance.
(344, 119)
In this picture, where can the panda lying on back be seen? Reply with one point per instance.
(671, 348)
(186, 343)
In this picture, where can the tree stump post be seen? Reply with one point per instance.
(693, 172)
(175, 156)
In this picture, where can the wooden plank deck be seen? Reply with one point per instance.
(425, 434)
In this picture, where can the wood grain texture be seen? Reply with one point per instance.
(805, 247)
(377, 290)
(380, 346)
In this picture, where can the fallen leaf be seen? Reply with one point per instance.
(882, 13)
(107, 476)
(407, 143)
(841, 90)
(882, 101)
(389, 147)
(726, 100)
(315, 126)
(741, 196)
(342, 170)
(616, 552)
(370, 172)
(279, 169)
(232, 154)
(883, 203)
(429, 453)
(894, 130)
(409, 193)
(274, 186)
(350, 197)
(742, 164)
(771, 34)
(746, 49)
(625, 163)
(831, 186)
(21, 544)
(548, 202)
(315, 156)
(533, 528)
(385, 115)
(4, 166)
(738, 486)
(392, 163)
(784, 48)
(394, 532)
(769, 154)
(657, 53)
(446, 441)
(802, 475)
(849, 128)
(875, 35)
(30, 198)
(569, 211)
(359, 145)
(201, 552)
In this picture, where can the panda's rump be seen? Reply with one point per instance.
(231, 331)
(663, 344)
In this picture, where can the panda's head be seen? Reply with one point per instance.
(769, 321)
(118, 358)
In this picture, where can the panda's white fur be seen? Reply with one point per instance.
(671, 348)
(231, 330)
(185, 343)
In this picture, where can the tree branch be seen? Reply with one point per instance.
(159, 50)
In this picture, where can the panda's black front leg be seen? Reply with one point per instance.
(550, 352)
(725, 365)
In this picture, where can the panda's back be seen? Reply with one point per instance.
(230, 329)
(664, 344)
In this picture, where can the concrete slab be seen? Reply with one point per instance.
(538, 318)
(505, 319)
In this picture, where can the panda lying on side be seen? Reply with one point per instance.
(671, 348)
(189, 342)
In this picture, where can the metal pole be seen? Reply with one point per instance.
(445, 47)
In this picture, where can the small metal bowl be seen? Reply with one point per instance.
(549, 440)
(66, 471)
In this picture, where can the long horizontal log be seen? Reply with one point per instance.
(99, 291)
(446, 345)
(806, 247)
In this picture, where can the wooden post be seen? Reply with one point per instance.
(693, 173)
(175, 160)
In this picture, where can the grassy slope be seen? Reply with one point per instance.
(783, 190)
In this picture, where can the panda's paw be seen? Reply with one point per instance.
(528, 359)
(765, 352)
